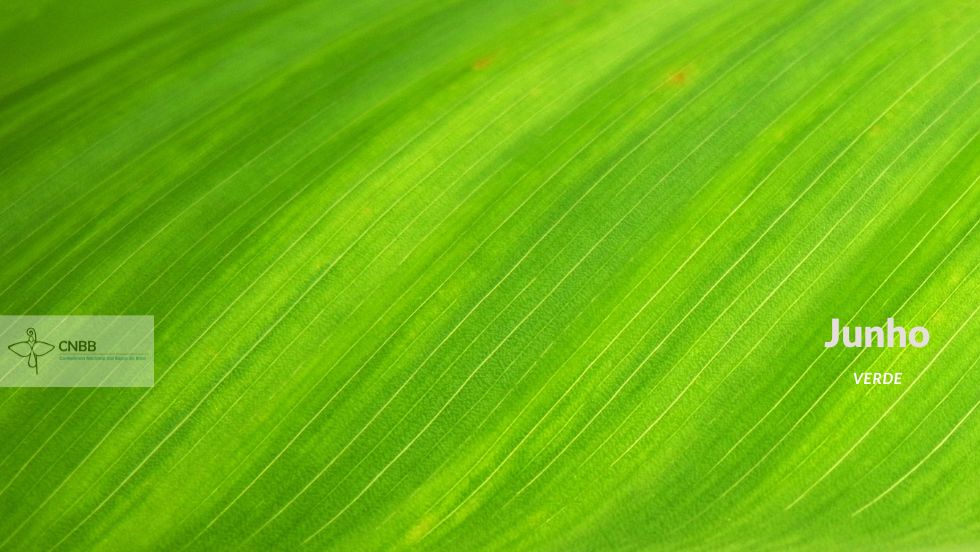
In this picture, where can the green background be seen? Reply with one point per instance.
(496, 275)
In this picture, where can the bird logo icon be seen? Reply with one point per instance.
(31, 349)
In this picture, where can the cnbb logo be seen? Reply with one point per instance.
(82, 346)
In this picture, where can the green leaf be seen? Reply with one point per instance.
(508, 275)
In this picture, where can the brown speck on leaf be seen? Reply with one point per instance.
(678, 78)
(483, 62)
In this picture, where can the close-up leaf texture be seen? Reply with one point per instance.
(496, 274)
